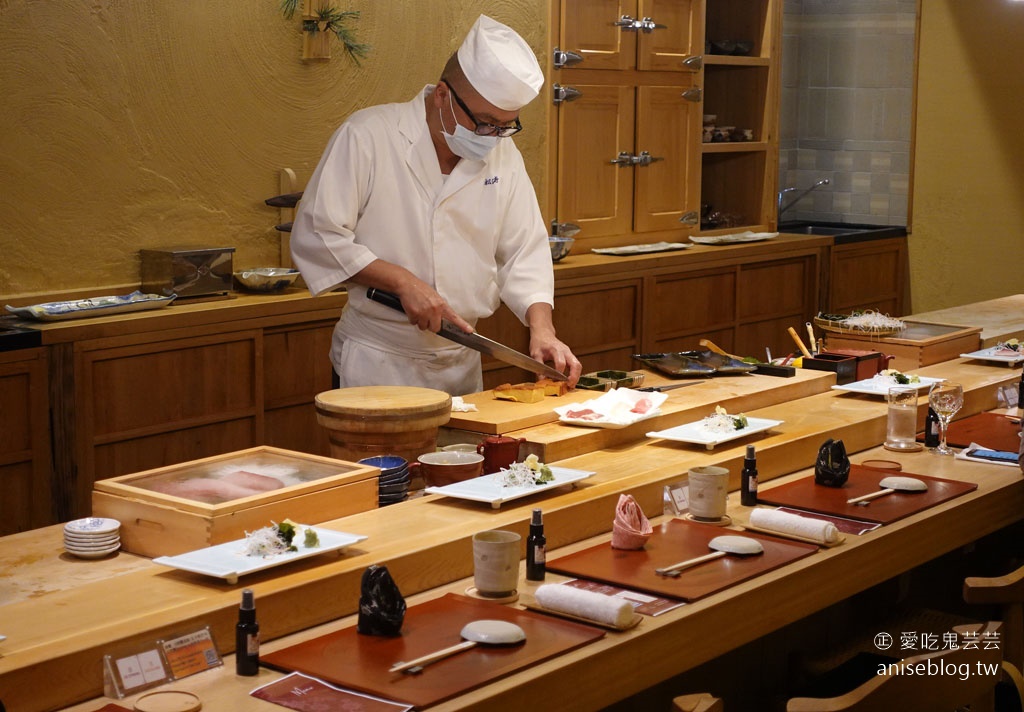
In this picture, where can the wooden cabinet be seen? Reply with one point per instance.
(25, 445)
(869, 275)
(742, 298)
(627, 120)
(632, 82)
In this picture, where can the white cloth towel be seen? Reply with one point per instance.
(586, 604)
(786, 523)
(461, 406)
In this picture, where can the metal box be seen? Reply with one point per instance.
(171, 510)
(187, 271)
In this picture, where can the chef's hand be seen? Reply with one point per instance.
(547, 348)
(426, 308)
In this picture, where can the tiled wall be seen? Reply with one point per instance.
(846, 104)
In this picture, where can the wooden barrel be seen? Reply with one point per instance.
(382, 420)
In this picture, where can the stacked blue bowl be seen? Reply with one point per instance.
(394, 478)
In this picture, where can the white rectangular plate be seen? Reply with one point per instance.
(228, 560)
(698, 434)
(990, 354)
(94, 306)
(488, 488)
(880, 387)
(641, 249)
(735, 238)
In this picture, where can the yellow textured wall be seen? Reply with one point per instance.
(129, 125)
(968, 209)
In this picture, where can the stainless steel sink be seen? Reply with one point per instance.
(16, 337)
(844, 232)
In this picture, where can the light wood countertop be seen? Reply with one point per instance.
(63, 617)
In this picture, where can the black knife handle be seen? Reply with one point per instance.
(386, 298)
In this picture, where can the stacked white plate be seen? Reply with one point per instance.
(92, 537)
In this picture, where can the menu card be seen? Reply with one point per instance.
(307, 694)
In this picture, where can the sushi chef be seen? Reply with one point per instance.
(430, 200)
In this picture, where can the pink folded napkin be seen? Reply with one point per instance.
(630, 530)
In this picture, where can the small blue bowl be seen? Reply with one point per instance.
(386, 463)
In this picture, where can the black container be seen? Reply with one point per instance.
(748, 479)
(536, 549)
(247, 637)
(931, 429)
(845, 367)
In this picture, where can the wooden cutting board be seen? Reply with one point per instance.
(990, 430)
(805, 494)
(497, 417)
(672, 542)
(361, 662)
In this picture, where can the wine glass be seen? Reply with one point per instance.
(946, 399)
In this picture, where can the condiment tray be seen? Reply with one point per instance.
(880, 386)
(489, 488)
(698, 434)
(229, 561)
(993, 354)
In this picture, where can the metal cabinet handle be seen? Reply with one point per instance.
(627, 23)
(694, 62)
(645, 159)
(625, 158)
(648, 25)
(693, 94)
(563, 93)
(690, 218)
(564, 58)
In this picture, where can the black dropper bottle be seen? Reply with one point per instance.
(748, 479)
(247, 637)
(931, 429)
(536, 549)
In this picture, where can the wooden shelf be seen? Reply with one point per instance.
(726, 60)
(735, 147)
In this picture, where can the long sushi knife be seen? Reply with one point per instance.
(474, 341)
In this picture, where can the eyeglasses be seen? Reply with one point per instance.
(485, 129)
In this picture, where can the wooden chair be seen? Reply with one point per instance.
(1008, 593)
(901, 691)
(700, 702)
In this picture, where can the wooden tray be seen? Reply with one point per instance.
(990, 430)
(676, 541)
(805, 494)
(920, 344)
(361, 662)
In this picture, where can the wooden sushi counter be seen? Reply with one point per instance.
(62, 615)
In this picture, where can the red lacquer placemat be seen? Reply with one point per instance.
(990, 430)
(360, 662)
(805, 494)
(672, 542)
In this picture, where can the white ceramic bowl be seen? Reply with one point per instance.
(267, 279)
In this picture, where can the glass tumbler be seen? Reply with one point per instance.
(901, 426)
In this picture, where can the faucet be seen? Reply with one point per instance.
(780, 209)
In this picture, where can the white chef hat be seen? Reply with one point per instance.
(500, 65)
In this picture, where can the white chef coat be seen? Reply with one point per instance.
(477, 236)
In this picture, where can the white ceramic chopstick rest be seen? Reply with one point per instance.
(720, 546)
(482, 632)
(890, 485)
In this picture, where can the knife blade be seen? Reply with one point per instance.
(474, 341)
(659, 389)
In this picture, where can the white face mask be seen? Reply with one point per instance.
(465, 143)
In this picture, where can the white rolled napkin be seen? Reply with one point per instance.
(786, 523)
(585, 604)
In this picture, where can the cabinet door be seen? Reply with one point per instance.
(25, 445)
(593, 192)
(667, 188)
(588, 27)
(680, 36)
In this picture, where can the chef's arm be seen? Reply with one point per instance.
(421, 302)
(545, 346)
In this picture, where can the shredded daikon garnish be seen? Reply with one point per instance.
(527, 473)
(264, 542)
(722, 422)
(872, 321)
